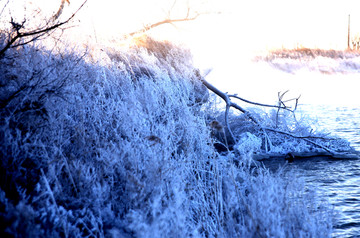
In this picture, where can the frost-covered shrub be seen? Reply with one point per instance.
(124, 149)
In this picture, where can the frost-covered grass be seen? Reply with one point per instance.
(301, 53)
(124, 149)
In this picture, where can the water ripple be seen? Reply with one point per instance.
(339, 180)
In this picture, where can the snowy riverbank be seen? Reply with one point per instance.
(126, 149)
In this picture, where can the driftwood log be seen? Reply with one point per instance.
(291, 157)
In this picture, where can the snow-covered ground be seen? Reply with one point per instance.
(122, 148)
(125, 149)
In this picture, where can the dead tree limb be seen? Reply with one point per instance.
(230, 104)
(166, 21)
(189, 16)
(260, 104)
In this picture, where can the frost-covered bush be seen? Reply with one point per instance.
(124, 149)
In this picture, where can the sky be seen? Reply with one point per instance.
(250, 25)
(256, 24)
(223, 41)
(243, 28)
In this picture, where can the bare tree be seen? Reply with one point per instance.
(18, 36)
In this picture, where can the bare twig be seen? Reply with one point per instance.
(260, 104)
(2, 10)
(282, 105)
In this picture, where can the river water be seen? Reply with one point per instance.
(334, 101)
(339, 179)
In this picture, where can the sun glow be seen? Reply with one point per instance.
(248, 26)
(256, 24)
(242, 30)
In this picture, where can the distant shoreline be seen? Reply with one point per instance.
(320, 60)
(300, 53)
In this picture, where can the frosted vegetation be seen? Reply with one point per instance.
(124, 147)
(315, 60)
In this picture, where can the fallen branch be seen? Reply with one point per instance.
(227, 100)
(259, 104)
(229, 104)
(281, 105)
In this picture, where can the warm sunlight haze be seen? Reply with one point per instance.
(243, 30)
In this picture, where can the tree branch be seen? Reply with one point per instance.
(259, 104)
(188, 16)
(36, 33)
(230, 104)
(166, 21)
